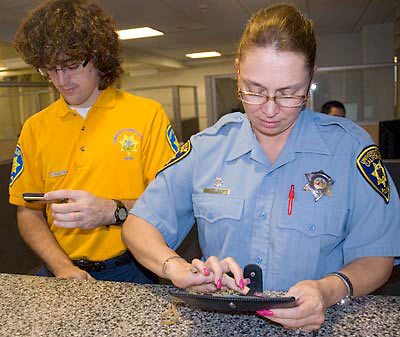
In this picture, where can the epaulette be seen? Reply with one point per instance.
(235, 117)
(356, 131)
(369, 161)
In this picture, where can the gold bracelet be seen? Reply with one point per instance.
(164, 265)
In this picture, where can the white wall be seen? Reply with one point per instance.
(339, 50)
(378, 43)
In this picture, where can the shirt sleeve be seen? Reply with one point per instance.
(374, 225)
(157, 148)
(25, 174)
(167, 201)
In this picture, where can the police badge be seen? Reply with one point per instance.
(319, 184)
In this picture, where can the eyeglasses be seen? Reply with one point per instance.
(285, 101)
(72, 69)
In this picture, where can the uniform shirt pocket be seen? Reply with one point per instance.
(305, 240)
(218, 219)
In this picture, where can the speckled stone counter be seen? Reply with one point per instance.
(38, 306)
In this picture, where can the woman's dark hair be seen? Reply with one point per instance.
(61, 32)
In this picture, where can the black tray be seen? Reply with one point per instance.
(233, 302)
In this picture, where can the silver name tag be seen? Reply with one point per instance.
(58, 173)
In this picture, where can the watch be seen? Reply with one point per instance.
(348, 298)
(121, 213)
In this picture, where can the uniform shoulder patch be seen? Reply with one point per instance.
(370, 164)
(17, 165)
(172, 140)
(183, 152)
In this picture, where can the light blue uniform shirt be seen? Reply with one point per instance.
(252, 224)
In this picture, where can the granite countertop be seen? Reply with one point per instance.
(39, 306)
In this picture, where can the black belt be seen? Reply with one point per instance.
(95, 266)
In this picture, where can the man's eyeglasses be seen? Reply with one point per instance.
(285, 101)
(72, 69)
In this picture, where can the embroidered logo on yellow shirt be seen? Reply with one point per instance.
(183, 152)
(369, 162)
(17, 166)
(172, 141)
(128, 144)
(128, 141)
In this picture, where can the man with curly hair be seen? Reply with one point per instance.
(95, 149)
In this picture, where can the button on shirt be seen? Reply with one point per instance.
(252, 223)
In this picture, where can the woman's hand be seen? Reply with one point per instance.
(309, 315)
(208, 276)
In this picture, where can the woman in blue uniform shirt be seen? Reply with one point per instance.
(299, 193)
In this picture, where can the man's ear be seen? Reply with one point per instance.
(237, 64)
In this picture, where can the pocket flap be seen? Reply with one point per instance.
(316, 222)
(216, 207)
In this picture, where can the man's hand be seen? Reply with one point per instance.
(83, 209)
(73, 272)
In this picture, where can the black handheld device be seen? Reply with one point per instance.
(39, 197)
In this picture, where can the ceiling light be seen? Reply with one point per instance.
(137, 33)
(3, 68)
(203, 54)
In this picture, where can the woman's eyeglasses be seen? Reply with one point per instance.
(285, 101)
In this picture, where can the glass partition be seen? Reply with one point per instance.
(369, 92)
(180, 104)
(18, 101)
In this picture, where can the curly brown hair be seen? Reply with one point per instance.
(61, 32)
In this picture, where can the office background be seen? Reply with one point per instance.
(358, 46)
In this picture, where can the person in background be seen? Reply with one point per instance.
(97, 147)
(304, 196)
(334, 108)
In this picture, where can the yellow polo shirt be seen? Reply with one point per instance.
(114, 153)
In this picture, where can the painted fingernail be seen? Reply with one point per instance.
(241, 283)
(219, 284)
(247, 280)
(206, 271)
(268, 313)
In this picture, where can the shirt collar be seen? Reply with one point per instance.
(106, 99)
(304, 137)
(244, 140)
